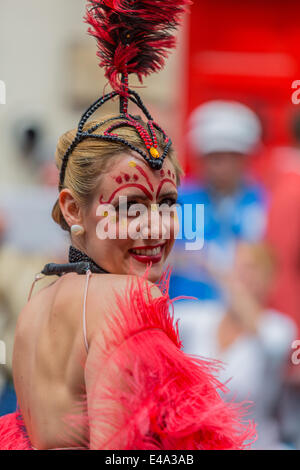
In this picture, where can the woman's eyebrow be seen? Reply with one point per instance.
(144, 197)
(168, 194)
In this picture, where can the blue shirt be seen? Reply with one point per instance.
(227, 219)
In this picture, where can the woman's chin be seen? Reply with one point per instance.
(154, 275)
(154, 272)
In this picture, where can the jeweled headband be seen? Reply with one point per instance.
(133, 37)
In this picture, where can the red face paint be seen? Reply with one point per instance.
(162, 183)
(140, 186)
(144, 174)
(147, 192)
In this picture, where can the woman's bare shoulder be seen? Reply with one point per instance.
(121, 283)
(68, 290)
(64, 299)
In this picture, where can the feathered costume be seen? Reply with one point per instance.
(154, 396)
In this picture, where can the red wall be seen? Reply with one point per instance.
(249, 51)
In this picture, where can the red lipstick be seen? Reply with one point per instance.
(146, 258)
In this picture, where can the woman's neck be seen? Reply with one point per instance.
(76, 256)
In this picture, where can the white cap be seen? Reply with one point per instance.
(224, 126)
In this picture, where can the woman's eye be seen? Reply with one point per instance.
(169, 201)
(125, 207)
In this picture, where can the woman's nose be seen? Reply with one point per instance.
(155, 224)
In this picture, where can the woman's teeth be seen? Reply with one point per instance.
(148, 252)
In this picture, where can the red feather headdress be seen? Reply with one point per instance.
(134, 37)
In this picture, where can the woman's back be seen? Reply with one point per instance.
(50, 353)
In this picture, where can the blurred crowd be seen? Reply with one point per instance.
(28, 240)
(244, 283)
(245, 308)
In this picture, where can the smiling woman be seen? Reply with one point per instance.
(96, 202)
(97, 358)
(113, 376)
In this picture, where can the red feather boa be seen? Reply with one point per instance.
(166, 400)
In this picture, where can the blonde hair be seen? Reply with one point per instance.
(92, 158)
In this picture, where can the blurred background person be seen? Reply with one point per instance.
(27, 239)
(283, 234)
(283, 227)
(18, 265)
(224, 135)
(252, 340)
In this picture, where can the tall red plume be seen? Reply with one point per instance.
(133, 36)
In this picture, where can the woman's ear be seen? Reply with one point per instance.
(70, 208)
